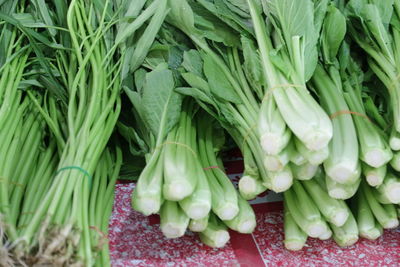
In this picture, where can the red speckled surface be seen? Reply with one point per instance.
(135, 240)
(269, 237)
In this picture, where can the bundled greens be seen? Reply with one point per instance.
(157, 91)
(62, 75)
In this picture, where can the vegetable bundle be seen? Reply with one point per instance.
(62, 75)
(291, 89)
(90, 91)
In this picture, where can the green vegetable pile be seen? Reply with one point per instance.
(157, 90)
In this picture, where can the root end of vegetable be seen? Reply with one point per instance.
(247, 226)
(171, 230)
(228, 212)
(340, 217)
(393, 193)
(294, 245)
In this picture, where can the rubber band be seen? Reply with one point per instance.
(211, 167)
(95, 228)
(247, 135)
(178, 144)
(287, 85)
(394, 82)
(3, 179)
(344, 112)
(103, 236)
(85, 172)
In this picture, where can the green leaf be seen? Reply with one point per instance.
(161, 104)
(175, 57)
(181, 16)
(25, 84)
(227, 114)
(320, 8)
(333, 32)
(372, 18)
(212, 27)
(29, 21)
(132, 8)
(234, 17)
(50, 82)
(395, 22)
(128, 29)
(140, 78)
(385, 9)
(43, 9)
(279, 62)
(344, 56)
(239, 6)
(218, 82)
(136, 101)
(192, 62)
(158, 54)
(143, 45)
(295, 18)
(195, 81)
(196, 93)
(252, 62)
(219, 137)
(137, 146)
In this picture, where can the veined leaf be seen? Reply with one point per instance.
(25, 84)
(136, 101)
(219, 84)
(129, 29)
(161, 104)
(192, 62)
(196, 81)
(140, 78)
(295, 19)
(385, 9)
(137, 146)
(143, 44)
(373, 20)
(175, 57)
(27, 20)
(240, 5)
(197, 94)
(212, 27)
(320, 8)
(221, 9)
(252, 62)
(132, 8)
(333, 32)
(181, 15)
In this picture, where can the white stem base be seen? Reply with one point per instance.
(340, 217)
(227, 212)
(171, 230)
(294, 245)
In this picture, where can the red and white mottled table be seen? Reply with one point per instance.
(136, 240)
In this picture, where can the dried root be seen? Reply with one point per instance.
(56, 246)
(5, 254)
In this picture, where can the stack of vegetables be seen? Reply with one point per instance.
(61, 79)
(90, 91)
(293, 95)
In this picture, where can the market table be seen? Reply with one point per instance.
(136, 240)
